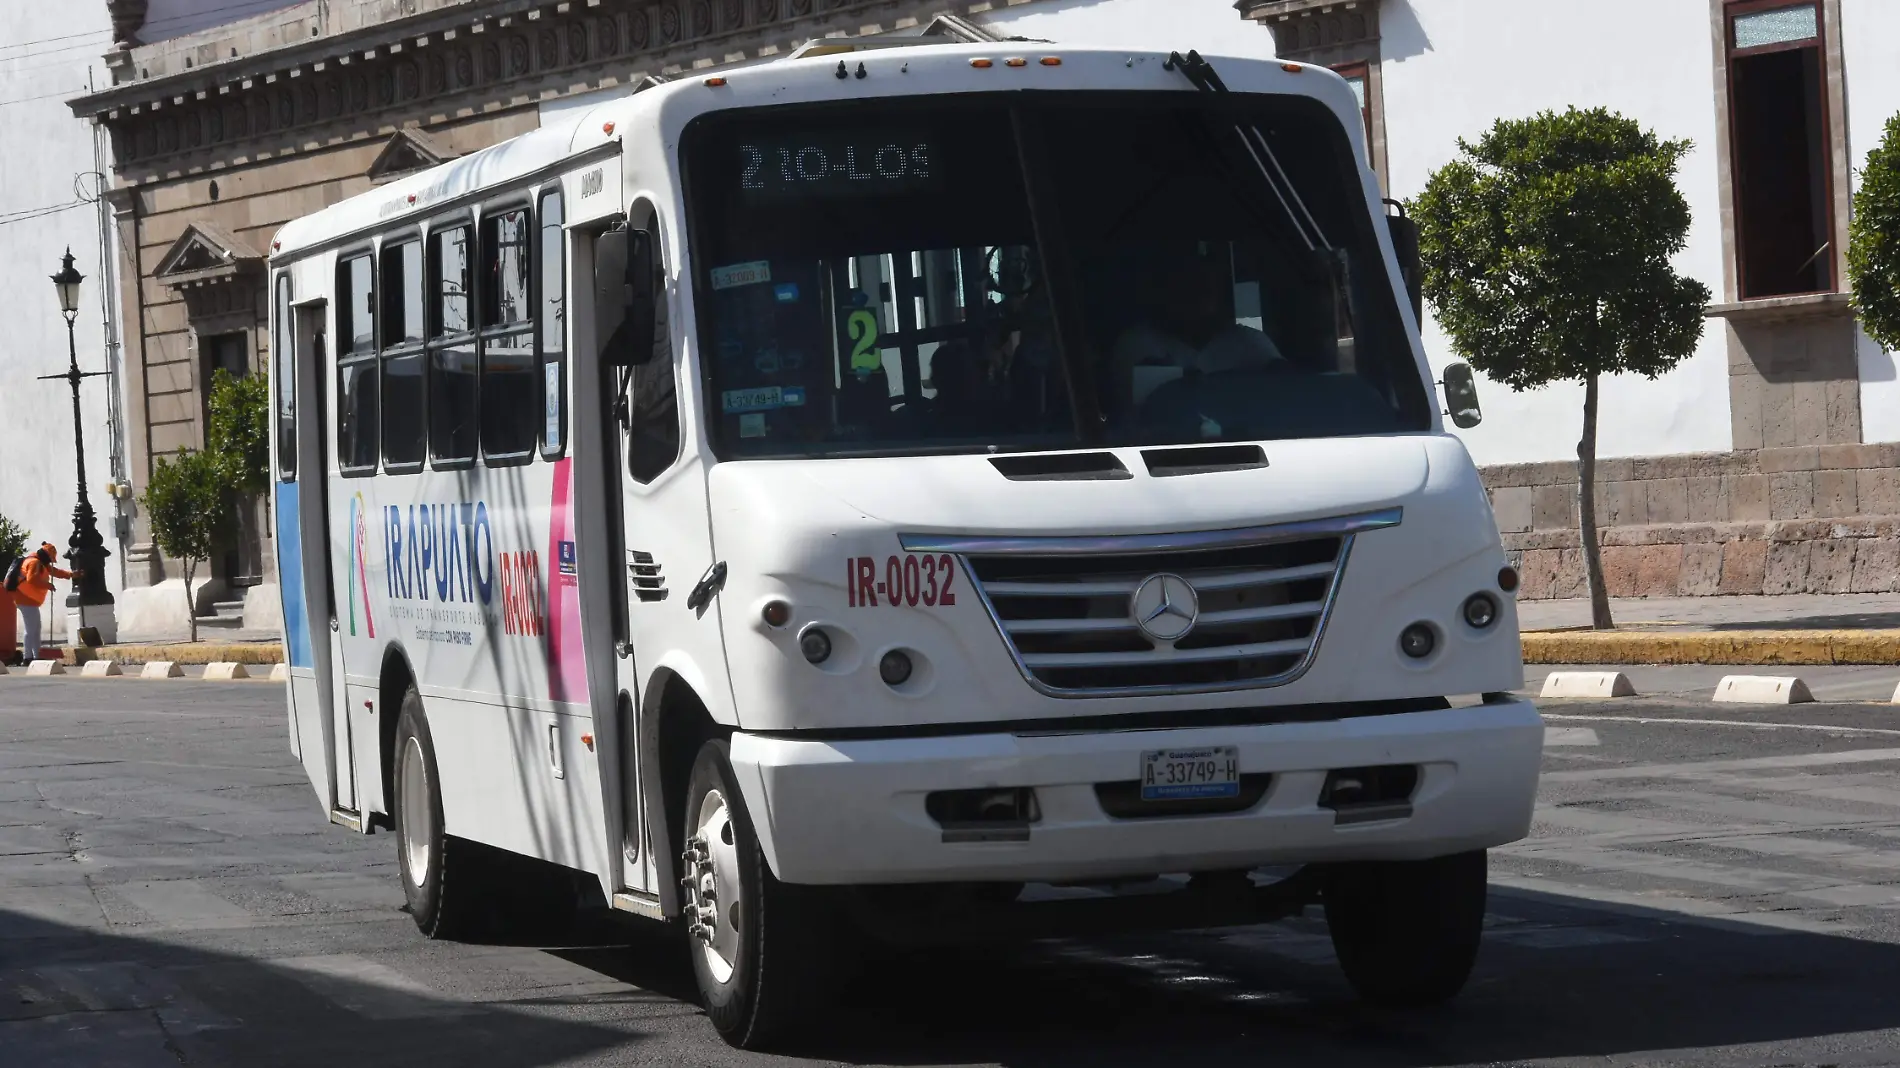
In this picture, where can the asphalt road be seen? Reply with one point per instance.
(1701, 889)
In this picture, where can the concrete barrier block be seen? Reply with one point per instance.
(1762, 690)
(46, 667)
(100, 669)
(162, 669)
(3, 669)
(225, 670)
(280, 672)
(1588, 684)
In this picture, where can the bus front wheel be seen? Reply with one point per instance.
(443, 877)
(1407, 933)
(763, 951)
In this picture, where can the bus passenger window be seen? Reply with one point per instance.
(453, 379)
(356, 320)
(356, 415)
(553, 321)
(404, 433)
(285, 381)
(510, 387)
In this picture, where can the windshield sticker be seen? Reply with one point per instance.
(731, 349)
(752, 425)
(762, 399)
(786, 292)
(741, 274)
(865, 358)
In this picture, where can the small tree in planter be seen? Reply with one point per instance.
(189, 508)
(1873, 247)
(1547, 250)
(13, 539)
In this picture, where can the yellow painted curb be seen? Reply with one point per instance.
(185, 653)
(1789, 647)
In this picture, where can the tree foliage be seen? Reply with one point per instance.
(238, 434)
(1873, 247)
(190, 509)
(1547, 250)
(13, 539)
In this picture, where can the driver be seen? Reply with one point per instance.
(1187, 327)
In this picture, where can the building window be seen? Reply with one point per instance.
(1357, 76)
(1778, 127)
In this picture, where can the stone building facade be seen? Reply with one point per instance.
(222, 135)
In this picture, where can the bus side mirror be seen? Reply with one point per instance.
(1461, 396)
(628, 254)
(1411, 268)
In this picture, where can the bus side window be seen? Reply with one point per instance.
(552, 296)
(510, 378)
(655, 435)
(285, 379)
(405, 439)
(356, 393)
(454, 376)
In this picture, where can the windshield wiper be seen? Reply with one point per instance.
(1199, 71)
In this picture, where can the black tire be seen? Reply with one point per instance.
(451, 896)
(787, 943)
(1407, 933)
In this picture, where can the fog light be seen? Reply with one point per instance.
(894, 668)
(815, 644)
(1481, 610)
(776, 613)
(1417, 641)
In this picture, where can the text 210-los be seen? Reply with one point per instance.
(908, 580)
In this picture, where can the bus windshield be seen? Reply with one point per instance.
(976, 273)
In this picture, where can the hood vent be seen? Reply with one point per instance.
(1060, 467)
(1201, 459)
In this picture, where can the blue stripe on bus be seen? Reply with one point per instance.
(290, 576)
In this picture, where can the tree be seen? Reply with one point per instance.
(189, 507)
(238, 433)
(13, 540)
(1547, 250)
(1873, 247)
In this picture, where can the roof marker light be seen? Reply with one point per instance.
(1016, 61)
(607, 128)
(716, 83)
(1291, 68)
(412, 198)
(1052, 61)
(982, 64)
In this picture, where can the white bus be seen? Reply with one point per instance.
(891, 492)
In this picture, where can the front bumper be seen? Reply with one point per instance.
(852, 812)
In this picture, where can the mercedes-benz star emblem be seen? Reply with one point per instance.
(1165, 607)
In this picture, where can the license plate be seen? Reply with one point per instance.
(1190, 774)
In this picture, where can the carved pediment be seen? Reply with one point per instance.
(1314, 30)
(406, 152)
(204, 254)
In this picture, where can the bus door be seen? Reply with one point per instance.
(332, 768)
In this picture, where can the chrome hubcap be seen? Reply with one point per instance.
(709, 877)
(413, 815)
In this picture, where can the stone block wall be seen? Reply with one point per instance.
(1811, 519)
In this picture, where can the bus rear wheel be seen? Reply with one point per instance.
(447, 880)
(1407, 933)
(764, 952)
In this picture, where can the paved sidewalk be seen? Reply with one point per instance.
(1799, 629)
(1818, 611)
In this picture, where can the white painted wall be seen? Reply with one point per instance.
(1869, 31)
(46, 51)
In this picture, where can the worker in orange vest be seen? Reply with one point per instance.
(36, 584)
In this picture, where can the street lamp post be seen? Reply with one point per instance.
(90, 603)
